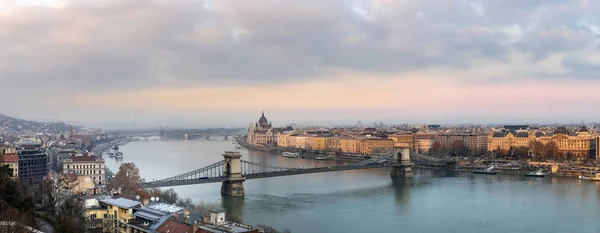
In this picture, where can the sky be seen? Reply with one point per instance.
(221, 62)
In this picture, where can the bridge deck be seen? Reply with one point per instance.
(289, 172)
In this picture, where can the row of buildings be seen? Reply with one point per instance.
(123, 215)
(576, 143)
(28, 160)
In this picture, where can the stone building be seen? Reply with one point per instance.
(84, 165)
(262, 133)
(423, 142)
(579, 144)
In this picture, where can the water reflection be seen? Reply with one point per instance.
(402, 189)
(233, 207)
(371, 201)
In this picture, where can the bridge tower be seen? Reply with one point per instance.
(232, 169)
(402, 159)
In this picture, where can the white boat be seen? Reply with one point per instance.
(539, 173)
(595, 177)
(489, 170)
(119, 154)
(291, 154)
(323, 157)
(111, 153)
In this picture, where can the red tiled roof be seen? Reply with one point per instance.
(84, 158)
(424, 136)
(174, 227)
(71, 177)
(9, 158)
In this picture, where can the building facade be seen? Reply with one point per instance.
(402, 139)
(376, 146)
(85, 165)
(476, 143)
(12, 161)
(579, 144)
(423, 142)
(33, 165)
(261, 133)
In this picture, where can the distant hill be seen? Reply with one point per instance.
(14, 125)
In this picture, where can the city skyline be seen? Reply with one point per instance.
(218, 63)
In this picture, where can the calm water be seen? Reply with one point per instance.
(370, 201)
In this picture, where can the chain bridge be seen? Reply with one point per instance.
(232, 171)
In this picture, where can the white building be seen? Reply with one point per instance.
(86, 165)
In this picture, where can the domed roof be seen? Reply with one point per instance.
(583, 129)
(263, 120)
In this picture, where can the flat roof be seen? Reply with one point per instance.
(121, 202)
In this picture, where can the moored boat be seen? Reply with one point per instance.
(111, 153)
(322, 157)
(539, 173)
(119, 154)
(291, 154)
(488, 171)
(595, 177)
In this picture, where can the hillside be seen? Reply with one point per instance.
(19, 126)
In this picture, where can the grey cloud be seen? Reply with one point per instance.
(134, 43)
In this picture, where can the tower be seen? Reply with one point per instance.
(403, 163)
(232, 170)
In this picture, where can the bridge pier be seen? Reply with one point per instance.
(404, 167)
(232, 169)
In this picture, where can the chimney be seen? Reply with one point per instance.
(146, 201)
(196, 226)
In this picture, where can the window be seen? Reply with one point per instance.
(93, 216)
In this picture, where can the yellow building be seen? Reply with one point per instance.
(423, 142)
(283, 140)
(292, 141)
(333, 144)
(310, 143)
(301, 141)
(403, 139)
(509, 139)
(597, 145)
(569, 144)
(574, 145)
(349, 145)
(321, 143)
(12, 161)
(375, 146)
(120, 210)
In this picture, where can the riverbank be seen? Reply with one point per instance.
(99, 149)
(303, 153)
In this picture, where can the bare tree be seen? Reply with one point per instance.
(270, 229)
(108, 225)
(13, 221)
(52, 193)
(127, 179)
(71, 216)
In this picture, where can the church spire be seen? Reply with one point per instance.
(263, 113)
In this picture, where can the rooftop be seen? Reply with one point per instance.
(171, 226)
(228, 228)
(9, 158)
(163, 207)
(121, 202)
(84, 158)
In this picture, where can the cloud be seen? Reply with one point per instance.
(59, 49)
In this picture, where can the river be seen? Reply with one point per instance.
(371, 201)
